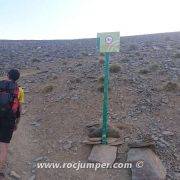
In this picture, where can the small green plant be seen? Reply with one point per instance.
(171, 86)
(84, 54)
(101, 79)
(34, 60)
(151, 68)
(154, 67)
(47, 89)
(115, 68)
(124, 60)
(75, 80)
(101, 88)
(132, 47)
(64, 63)
(55, 77)
(137, 53)
(144, 71)
(177, 55)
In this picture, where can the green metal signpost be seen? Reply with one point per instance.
(107, 43)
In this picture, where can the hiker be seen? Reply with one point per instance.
(11, 97)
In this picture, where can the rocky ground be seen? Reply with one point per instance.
(62, 82)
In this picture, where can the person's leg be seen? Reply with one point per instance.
(7, 124)
(3, 158)
(3, 151)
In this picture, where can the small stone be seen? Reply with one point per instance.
(168, 133)
(155, 138)
(38, 159)
(10, 151)
(165, 100)
(177, 176)
(23, 112)
(126, 139)
(34, 165)
(33, 177)
(29, 163)
(35, 141)
(161, 144)
(164, 142)
(36, 124)
(177, 156)
(169, 177)
(67, 145)
(14, 175)
(33, 171)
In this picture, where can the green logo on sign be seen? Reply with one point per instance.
(109, 42)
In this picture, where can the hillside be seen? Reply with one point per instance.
(61, 81)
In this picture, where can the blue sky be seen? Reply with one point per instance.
(72, 19)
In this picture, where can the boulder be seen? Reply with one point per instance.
(103, 154)
(152, 168)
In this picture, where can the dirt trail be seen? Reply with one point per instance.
(24, 147)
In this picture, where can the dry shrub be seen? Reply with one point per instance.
(115, 68)
(177, 55)
(144, 71)
(100, 79)
(171, 86)
(47, 89)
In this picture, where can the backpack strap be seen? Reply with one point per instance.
(15, 104)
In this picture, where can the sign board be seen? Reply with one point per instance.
(108, 42)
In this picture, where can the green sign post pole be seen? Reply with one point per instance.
(106, 99)
(107, 43)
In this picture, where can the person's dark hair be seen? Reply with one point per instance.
(14, 74)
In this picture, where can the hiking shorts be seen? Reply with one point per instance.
(7, 124)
